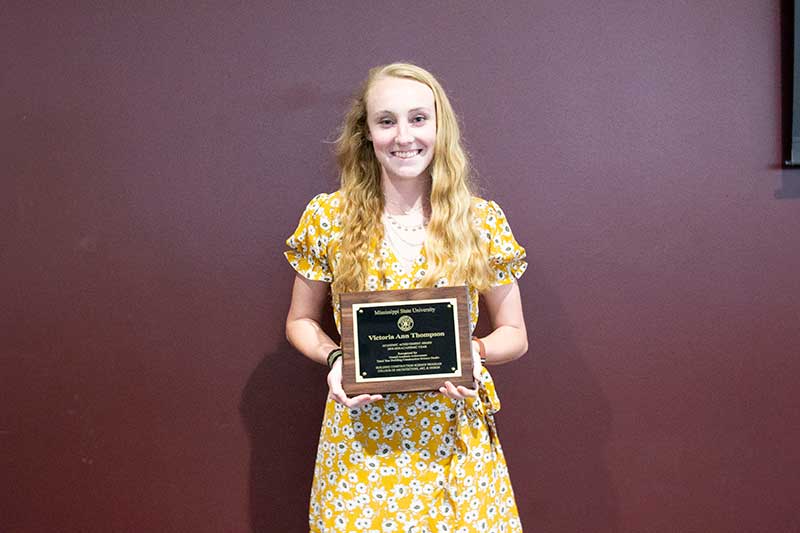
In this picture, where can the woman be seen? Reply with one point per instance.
(405, 217)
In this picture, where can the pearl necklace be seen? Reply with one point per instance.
(412, 228)
(405, 240)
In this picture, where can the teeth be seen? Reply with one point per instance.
(406, 155)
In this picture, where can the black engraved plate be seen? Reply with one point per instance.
(405, 340)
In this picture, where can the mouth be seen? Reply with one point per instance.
(406, 154)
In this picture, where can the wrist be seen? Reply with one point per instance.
(333, 356)
(481, 349)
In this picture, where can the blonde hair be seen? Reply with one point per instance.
(452, 244)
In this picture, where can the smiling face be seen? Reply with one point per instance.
(401, 117)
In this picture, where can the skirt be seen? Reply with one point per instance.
(413, 463)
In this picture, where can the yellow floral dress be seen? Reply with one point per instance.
(414, 462)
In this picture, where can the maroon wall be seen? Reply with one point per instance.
(153, 159)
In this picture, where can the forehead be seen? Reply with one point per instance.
(398, 95)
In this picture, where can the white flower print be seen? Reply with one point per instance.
(363, 523)
(390, 406)
(372, 283)
(369, 457)
(387, 471)
(400, 491)
(383, 449)
(443, 451)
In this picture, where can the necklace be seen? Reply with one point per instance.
(395, 221)
(406, 244)
(404, 253)
(411, 235)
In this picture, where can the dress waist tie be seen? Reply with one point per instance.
(469, 414)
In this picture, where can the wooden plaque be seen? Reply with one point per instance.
(405, 340)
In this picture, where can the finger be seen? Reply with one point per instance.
(450, 391)
(339, 398)
(337, 393)
(466, 392)
(356, 401)
(444, 392)
(362, 399)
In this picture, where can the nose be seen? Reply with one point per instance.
(404, 134)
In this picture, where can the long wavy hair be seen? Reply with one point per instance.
(452, 243)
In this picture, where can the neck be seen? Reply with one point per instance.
(405, 194)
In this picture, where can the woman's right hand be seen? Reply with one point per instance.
(336, 392)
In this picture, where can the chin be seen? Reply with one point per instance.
(409, 174)
(408, 171)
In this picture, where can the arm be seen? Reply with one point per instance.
(305, 334)
(509, 338)
(507, 341)
(305, 313)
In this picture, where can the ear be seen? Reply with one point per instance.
(368, 136)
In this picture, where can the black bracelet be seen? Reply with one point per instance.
(334, 354)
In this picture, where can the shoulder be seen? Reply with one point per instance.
(484, 210)
(321, 217)
(325, 203)
(323, 210)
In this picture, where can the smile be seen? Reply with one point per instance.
(407, 154)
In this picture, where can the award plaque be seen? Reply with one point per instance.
(405, 340)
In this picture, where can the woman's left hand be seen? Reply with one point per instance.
(461, 392)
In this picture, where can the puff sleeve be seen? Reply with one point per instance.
(506, 256)
(308, 245)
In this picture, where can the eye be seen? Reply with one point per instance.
(419, 119)
(385, 121)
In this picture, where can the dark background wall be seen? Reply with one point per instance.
(154, 156)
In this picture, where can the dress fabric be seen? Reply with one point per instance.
(413, 462)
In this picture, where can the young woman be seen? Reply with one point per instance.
(405, 217)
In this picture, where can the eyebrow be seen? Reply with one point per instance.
(415, 110)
